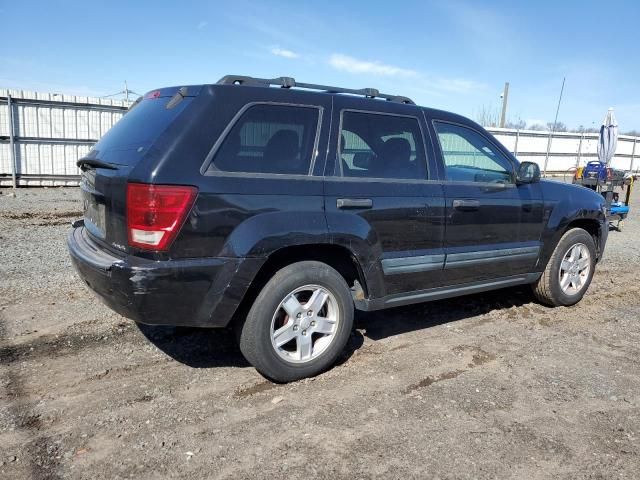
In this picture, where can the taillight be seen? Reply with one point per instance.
(155, 213)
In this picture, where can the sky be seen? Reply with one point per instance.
(454, 55)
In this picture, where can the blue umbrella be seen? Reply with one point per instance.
(608, 140)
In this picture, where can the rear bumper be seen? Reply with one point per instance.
(202, 292)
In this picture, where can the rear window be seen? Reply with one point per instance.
(269, 138)
(140, 126)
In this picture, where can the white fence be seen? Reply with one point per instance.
(50, 132)
(567, 150)
(47, 133)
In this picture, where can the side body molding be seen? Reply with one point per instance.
(420, 263)
(455, 260)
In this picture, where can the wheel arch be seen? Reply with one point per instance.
(336, 256)
(591, 225)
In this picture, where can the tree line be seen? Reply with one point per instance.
(490, 118)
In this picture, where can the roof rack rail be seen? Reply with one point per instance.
(289, 82)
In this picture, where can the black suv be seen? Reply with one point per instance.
(277, 207)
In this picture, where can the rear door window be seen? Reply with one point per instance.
(269, 138)
(380, 145)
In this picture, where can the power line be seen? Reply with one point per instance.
(553, 129)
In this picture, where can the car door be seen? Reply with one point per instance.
(493, 225)
(377, 186)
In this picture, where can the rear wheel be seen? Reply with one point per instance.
(569, 271)
(299, 323)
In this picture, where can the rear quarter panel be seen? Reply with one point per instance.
(252, 217)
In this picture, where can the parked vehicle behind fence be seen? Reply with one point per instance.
(277, 211)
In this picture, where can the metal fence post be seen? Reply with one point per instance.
(580, 150)
(12, 149)
(633, 154)
(515, 148)
(546, 159)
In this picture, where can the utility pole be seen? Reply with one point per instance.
(124, 92)
(505, 96)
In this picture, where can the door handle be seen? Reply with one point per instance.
(466, 205)
(354, 203)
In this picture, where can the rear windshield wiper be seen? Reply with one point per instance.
(177, 98)
(89, 163)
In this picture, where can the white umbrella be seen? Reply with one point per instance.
(608, 140)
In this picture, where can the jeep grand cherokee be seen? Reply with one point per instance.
(278, 207)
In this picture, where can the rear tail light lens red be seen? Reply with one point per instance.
(155, 213)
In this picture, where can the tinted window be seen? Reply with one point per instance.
(270, 139)
(381, 146)
(140, 127)
(470, 157)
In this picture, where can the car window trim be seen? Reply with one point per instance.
(377, 112)
(336, 178)
(223, 136)
(434, 154)
(491, 142)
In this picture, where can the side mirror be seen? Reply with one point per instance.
(529, 172)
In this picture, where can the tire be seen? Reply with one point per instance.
(280, 314)
(564, 284)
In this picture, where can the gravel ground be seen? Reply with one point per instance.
(484, 386)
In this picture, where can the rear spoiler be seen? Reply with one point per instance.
(186, 91)
(176, 94)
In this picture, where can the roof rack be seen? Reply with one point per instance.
(289, 82)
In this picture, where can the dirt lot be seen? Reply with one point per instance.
(486, 386)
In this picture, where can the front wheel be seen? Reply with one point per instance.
(299, 323)
(568, 274)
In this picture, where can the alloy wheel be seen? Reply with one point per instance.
(305, 324)
(575, 269)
